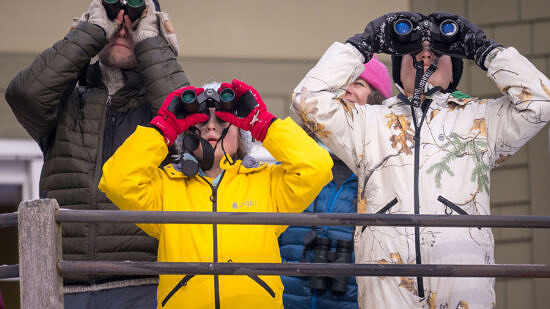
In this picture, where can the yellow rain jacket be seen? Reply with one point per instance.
(133, 181)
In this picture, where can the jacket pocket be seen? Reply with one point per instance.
(182, 283)
(263, 284)
(452, 206)
(383, 210)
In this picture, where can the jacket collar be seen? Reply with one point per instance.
(132, 94)
(438, 98)
(248, 165)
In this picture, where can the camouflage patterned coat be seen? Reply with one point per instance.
(460, 139)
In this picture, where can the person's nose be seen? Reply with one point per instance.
(211, 124)
(425, 55)
(348, 89)
(123, 32)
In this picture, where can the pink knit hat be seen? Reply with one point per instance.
(376, 74)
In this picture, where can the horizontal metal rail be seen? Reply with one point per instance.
(8, 219)
(259, 218)
(303, 269)
(9, 271)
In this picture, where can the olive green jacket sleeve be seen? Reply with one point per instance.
(35, 94)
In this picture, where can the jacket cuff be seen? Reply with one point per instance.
(94, 32)
(156, 42)
(492, 54)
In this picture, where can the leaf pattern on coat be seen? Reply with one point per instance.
(433, 113)
(466, 101)
(480, 125)
(501, 159)
(525, 95)
(460, 103)
(406, 282)
(303, 109)
(462, 305)
(361, 203)
(348, 107)
(406, 133)
(458, 147)
(431, 300)
(452, 106)
(544, 88)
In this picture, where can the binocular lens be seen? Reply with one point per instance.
(188, 96)
(135, 3)
(448, 28)
(227, 95)
(402, 27)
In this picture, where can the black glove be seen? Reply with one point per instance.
(379, 36)
(470, 42)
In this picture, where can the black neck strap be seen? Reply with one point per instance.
(421, 78)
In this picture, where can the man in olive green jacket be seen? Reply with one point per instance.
(79, 128)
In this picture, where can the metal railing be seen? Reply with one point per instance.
(41, 266)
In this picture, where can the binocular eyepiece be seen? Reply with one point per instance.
(404, 30)
(132, 8)
(448, 28)
(224, 101)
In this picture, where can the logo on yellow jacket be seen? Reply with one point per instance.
(249, 203)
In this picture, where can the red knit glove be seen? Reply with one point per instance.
(172, 120)
(251, 115)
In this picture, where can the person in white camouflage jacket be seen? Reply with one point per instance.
(428, 150)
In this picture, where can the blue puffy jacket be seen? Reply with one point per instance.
(297, 293)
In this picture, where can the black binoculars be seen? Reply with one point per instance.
(224, 101)
(323, 254)
(404, 30)
(132, 8)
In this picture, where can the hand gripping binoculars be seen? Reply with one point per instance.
(132, 8)
(404, 31)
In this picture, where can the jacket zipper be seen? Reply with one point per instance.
(335, 196)
(417, 129)
(109, 133)
(98, 165)
(214, 200)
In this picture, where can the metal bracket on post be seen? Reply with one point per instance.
(41, 284)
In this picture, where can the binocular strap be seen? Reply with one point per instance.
(224, 133)
(421, 78)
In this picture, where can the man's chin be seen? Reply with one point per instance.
(123, 64)
(118, 61)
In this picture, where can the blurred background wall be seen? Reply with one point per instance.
(271, 45)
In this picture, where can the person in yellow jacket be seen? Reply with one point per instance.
(133, 180)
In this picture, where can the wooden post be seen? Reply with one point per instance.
(40, 284)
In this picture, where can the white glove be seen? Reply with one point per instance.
(167, 31)
(97, 15)
(146, 26)
(149, 25)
